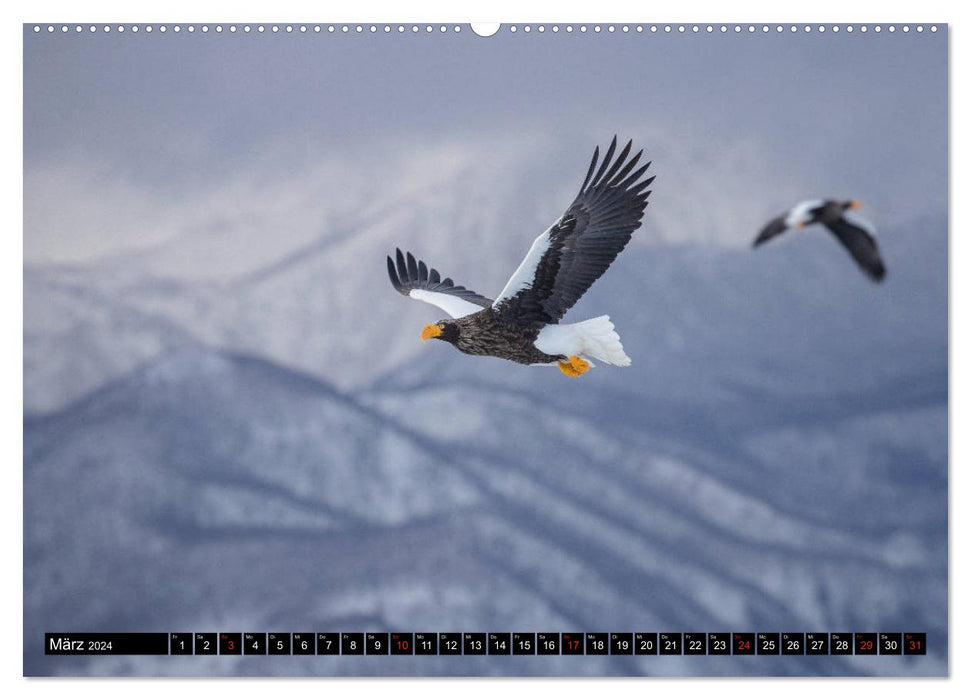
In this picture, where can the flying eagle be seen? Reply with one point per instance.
(854, 232)
(522, 324)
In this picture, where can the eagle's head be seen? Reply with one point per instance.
(443, 330)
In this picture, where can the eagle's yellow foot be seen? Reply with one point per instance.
(574, 366)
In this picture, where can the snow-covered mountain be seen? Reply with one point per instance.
(277, 451)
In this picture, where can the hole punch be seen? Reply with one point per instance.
(485, 29)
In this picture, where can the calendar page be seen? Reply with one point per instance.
(512, 350)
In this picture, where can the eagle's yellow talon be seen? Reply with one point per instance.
(574, 366)
(579, 364)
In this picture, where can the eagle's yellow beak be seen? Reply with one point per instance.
(855, 204)
(431, 331)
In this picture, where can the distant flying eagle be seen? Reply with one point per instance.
(522, 324)
(854, 232)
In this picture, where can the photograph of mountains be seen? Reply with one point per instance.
(231, 422)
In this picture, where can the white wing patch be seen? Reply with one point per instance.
(454, 306)
(523, 277)
(799, 214)
(857, 220)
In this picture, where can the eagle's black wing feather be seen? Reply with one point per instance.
(410, 273)
(583, 242)
(861, 245)
(771, 230)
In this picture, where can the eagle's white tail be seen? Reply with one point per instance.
(594, 338)
(600, 341)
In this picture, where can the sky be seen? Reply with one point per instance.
(121, 129)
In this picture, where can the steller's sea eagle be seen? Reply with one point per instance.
(522, 324)
(854, 232)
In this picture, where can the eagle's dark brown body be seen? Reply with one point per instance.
(485, 333)
(830, 212)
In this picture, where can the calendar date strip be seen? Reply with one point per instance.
(487, 643)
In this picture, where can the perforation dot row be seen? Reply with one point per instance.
(247, 28)
(442, 29)
(720, 28)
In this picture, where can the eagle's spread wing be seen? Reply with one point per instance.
(856, 235)
(800, 215)
(771, 230)
(576, 250)
(416, 280)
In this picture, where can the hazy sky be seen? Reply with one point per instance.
(124, 128)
